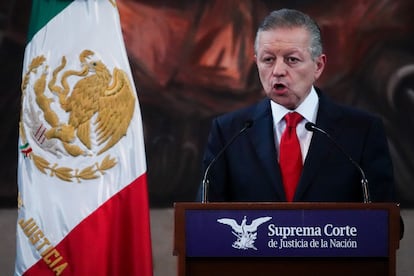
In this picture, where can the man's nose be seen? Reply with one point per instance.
(279, 68)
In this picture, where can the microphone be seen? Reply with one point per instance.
(364, 181)
(205, 184)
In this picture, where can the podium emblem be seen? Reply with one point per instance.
(246, 234)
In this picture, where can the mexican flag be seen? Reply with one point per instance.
(83, 201)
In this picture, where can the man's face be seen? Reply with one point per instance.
(286, 68)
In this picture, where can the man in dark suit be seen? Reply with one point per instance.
(290, 58)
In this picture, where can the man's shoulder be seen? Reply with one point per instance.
(349, 111)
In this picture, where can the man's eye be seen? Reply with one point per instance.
(292, 60)
(268, 59)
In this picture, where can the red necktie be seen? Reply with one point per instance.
(290, 157)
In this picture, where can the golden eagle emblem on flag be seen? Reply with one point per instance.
(75, 113)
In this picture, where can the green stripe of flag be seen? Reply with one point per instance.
(42, 12)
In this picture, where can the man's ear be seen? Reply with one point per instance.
(320, 65)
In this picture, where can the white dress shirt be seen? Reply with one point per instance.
(308, 109)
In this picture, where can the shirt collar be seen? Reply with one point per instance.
(308, 108)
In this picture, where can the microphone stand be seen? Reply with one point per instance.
(205, 183)
(364, 181)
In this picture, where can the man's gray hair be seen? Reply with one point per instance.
(288, 18)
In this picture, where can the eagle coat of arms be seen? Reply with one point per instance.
(246, 234)
(74, 113)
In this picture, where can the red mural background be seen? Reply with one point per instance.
(193, 60)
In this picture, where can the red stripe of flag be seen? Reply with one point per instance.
(113, 240)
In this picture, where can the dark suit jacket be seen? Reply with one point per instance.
(249, 171)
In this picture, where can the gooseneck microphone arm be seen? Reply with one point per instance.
(364, 181)
(205, 184)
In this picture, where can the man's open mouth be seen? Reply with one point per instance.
(279, 86)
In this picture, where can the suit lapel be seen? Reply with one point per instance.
(262, 138)
(328, 119)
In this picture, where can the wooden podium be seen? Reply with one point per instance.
(258, 239)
